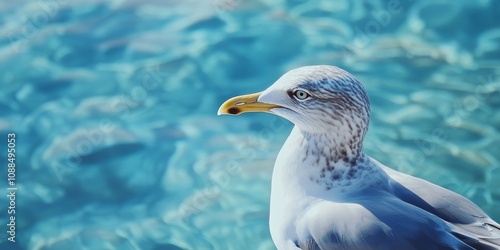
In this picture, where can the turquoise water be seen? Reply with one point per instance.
(114, 108)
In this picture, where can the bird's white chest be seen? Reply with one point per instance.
(290, 198)
(300, 183)
(288, 203)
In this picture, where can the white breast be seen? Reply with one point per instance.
(293, 193)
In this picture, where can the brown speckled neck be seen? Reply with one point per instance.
(337, 161)
(333, 147)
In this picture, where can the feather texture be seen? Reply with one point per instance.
(328, 194)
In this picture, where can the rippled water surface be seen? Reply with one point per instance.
(114, 108)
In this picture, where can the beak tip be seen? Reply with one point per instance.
(228, 111)
(221, 111)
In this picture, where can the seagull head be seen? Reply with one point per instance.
(317, 99)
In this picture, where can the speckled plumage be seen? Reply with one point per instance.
(333, 144)
(328, 194)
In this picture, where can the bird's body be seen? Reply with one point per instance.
(379, 209)
(328, 194)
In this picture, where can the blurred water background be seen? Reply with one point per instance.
(114, 106)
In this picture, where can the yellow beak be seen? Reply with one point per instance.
(243, 104)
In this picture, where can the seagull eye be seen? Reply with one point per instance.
(301, 94)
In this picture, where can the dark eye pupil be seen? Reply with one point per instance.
(301, 94)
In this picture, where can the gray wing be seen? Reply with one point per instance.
(467, 221)
(385, 223)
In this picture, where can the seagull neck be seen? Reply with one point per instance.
(333, 166)
(336, 147)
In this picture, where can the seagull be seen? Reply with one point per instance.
(326, 193)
